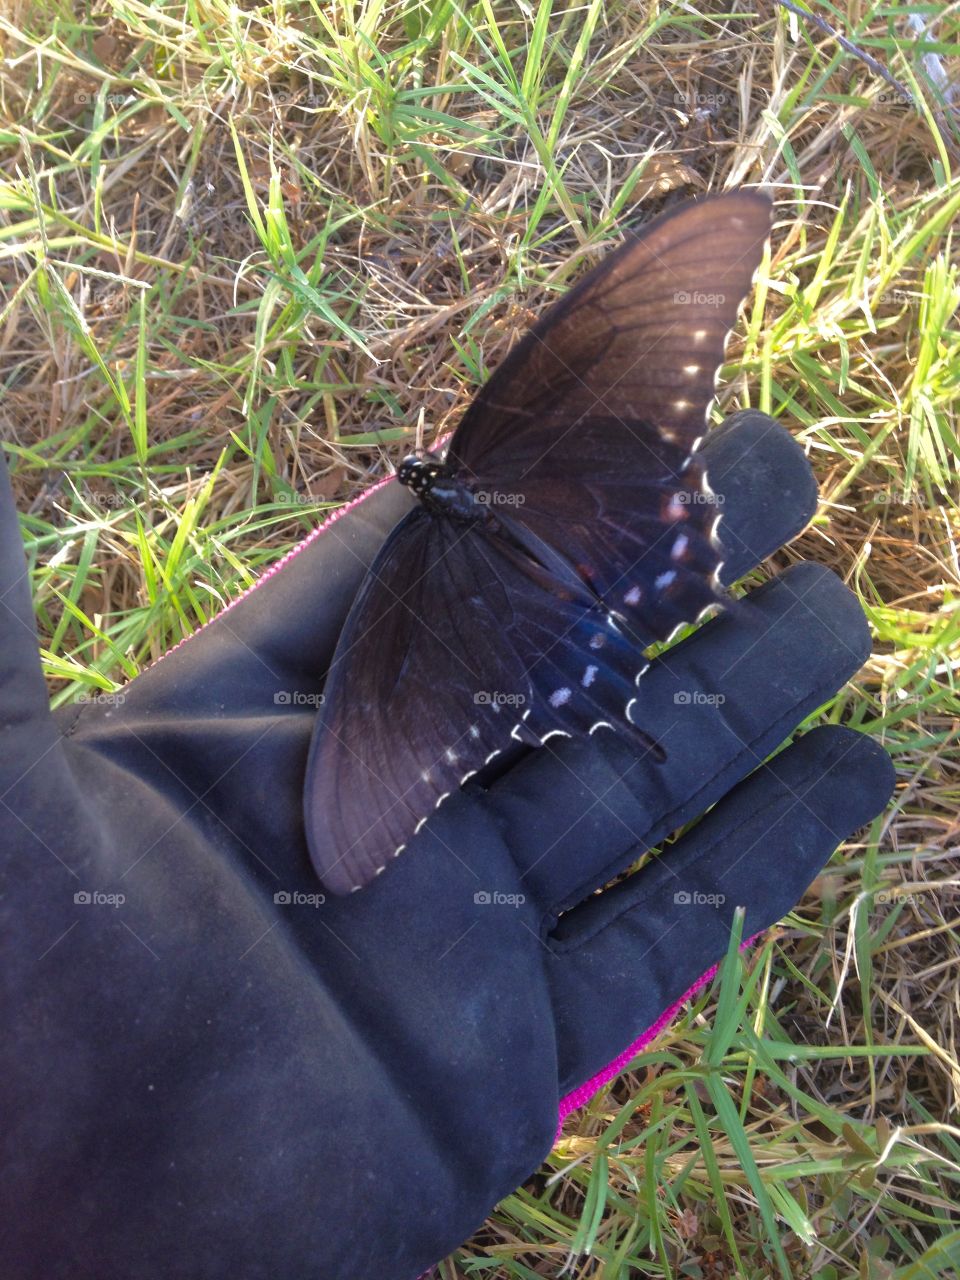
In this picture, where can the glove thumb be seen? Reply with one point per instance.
(25, 722)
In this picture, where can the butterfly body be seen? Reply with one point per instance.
(568, 526)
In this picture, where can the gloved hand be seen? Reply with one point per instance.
(216, 1076)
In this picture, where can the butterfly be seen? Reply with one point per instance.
(567, 528)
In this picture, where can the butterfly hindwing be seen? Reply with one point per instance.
(638, 524)
(404, 720)
(398, 733)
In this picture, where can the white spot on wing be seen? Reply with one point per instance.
(560, 697)
(589, 676)
(681, 542)
(663, 580)
(598, 640)
(632, 596)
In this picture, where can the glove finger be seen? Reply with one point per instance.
(623, 958)
(764, 489)
(25, 703)
(577, 812)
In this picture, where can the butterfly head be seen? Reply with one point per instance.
(420, 474)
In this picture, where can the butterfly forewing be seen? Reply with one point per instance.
(640, 337)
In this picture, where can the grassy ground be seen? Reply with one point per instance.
(246, 251)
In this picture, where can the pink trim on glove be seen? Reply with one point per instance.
(275, 568)
(582, 1095)
(294, 551)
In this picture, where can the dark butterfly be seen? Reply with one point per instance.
(564, 531)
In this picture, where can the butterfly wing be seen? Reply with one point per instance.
(586, 433)
(448, 655)
(633, 514)
(639, 338)
(404, 720)
(583, 441)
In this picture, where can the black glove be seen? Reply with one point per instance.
(208, 1073)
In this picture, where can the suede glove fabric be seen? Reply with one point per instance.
(207, 1070)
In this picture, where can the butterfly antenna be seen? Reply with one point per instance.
(418, 439)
